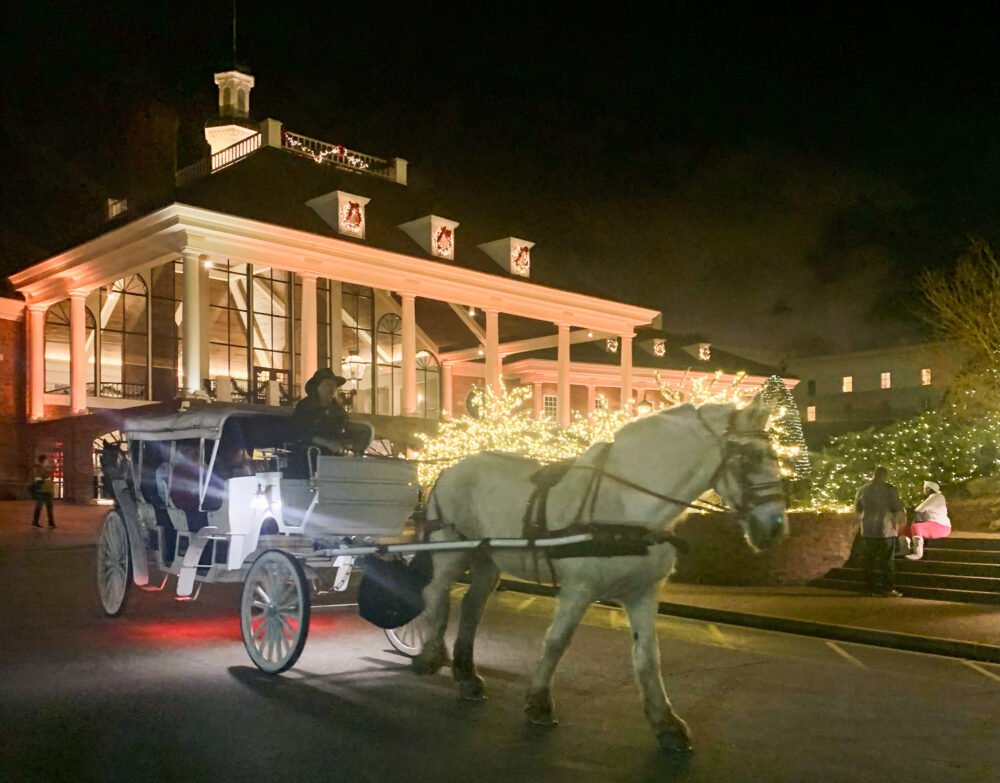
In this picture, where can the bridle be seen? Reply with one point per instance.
(732, 447)
(738, 457)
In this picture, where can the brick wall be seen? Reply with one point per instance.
(720, 555)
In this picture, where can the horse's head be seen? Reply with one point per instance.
(748, 478)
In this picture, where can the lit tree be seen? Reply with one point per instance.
(785, 428)
(944, 445)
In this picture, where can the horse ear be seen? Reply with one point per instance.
(755, 415)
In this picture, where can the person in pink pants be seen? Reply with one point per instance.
(930, 520)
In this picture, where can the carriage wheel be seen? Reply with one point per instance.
(274, 611)
(114, 564)
(409, 639)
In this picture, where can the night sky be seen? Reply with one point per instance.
(771, 177)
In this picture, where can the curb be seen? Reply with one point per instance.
(931, 645)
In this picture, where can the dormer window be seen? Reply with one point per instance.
(611, 345)
(660, 347)
(343, 211)
(116, 207)
(436, 235)
(704, 351)
(513, 254)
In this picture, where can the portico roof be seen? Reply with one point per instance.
(163, 234)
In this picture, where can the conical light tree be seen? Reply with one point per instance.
(785, 428)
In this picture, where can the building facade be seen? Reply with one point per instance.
(850, 391)
(278, 254)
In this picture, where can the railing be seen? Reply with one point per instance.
(219, 160)
(118, 391)
(338, 155)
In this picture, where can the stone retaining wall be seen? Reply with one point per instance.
(720, 555)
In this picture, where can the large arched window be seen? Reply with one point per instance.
(57, 349)
(124, 339)
(389, 361)
(389, 344)
(428, 385)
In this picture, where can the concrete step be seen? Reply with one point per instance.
(947, 568)
(960, 542)
(978, 584)
(929, 593)
(940, 555)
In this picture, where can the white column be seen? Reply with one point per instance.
(626, 354)
(77, 352)
(337, 326)
(191, 321)
(447, 389)
(591, 399)
(493, 351)
(309, 324)
(36, 361)
(563, 380)
(537, 401)
(409, 396)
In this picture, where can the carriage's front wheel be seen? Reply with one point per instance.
(409, 639)
(114, 564)
(274, 611)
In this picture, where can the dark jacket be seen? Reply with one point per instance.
(875, 502)
(313, 420)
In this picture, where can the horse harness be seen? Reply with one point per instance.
(615, 540)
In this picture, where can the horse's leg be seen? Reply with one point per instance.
(671, 732)
(572, 604)
(485, 576)
(448, 566)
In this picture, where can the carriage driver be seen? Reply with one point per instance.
(322, 421)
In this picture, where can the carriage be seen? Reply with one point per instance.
(221, 493)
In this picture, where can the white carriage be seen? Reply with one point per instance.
(220, 493)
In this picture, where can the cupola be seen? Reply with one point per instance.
(232, 125)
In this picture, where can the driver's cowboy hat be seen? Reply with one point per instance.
(323, 374)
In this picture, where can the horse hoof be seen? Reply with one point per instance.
(428, 662)
(472, 689)
(539, 708)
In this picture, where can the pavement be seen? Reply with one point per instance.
(967, 631)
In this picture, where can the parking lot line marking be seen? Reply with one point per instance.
(845, 655)
(982, 670)
(718, 636)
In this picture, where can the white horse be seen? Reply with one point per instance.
(656, 469)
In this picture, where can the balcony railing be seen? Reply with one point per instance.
(219, 160)
(118, 391)
(322, 152)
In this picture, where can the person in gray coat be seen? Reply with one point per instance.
(877, 504)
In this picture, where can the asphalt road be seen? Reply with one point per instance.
(166, 692)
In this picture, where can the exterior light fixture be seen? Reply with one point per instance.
(472, 311)
(353, 369)
(644, 407)
(480, 351)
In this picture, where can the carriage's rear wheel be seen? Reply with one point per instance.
(114, 564)
(409, 639)
(274, 611)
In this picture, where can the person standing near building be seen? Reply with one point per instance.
(42, 489)
(877, 504)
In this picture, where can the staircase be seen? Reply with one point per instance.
(957, 568)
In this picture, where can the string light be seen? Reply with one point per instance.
(505, 422)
